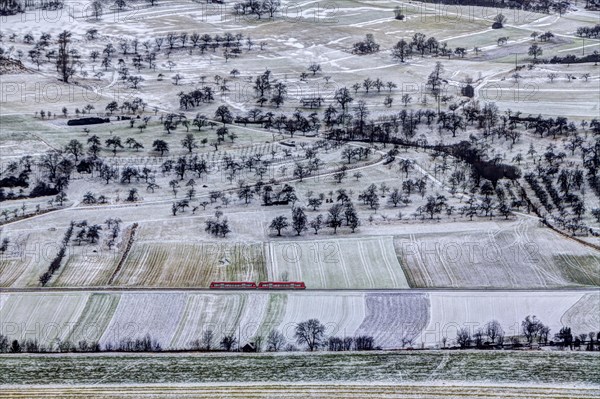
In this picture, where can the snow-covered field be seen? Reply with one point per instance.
(98, 269)
(342, 315)
(139, 314)
(95, 317)
(453, 310)
(45, 318)
(174, 253)
(360, 263)
(585, 313)
(190, 265)
(517, 255)
(217, 313)
(394, 319)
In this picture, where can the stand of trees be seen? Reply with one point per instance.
(544, 6)
(257, 8)
(144, 54)
(533, 331)
(55, 264)
(53, 166)
(12, 7)
(311, 336)
(589, 31)
(367, 46)
(217, 226)
(308, 334)
(340, 214)
(573, 59)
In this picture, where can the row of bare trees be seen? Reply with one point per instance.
(532, 331)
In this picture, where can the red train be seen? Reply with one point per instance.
(264, 285)
(232, 285)
(281, 285)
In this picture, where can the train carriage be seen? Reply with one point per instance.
(281, 285)
(232, 285)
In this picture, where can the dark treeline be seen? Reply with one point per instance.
(308, 335)
(533, 332)
(195, 97)
(259, 9)
(573, 59)
(12, 7)
(589, 31)
(33, 346)
(55, 264)
(56, 169)
(489, 170)
(545, 6)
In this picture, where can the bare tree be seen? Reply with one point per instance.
(75, 148)
(493, 330)
(275, 341)
(66, 58)
(310, 333)
(335, 216)
(317, 224)
(314, 68)
(189, 142)
(463, 337)
(228, 342)
(208, 337)
(531, 327)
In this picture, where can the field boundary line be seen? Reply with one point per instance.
(125, 253)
